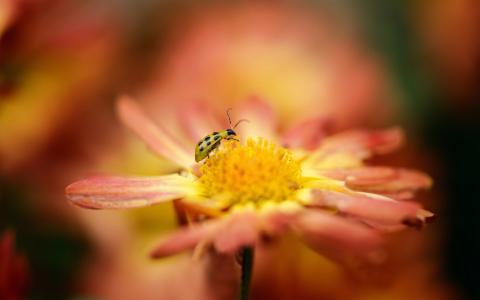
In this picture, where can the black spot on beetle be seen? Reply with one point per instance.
(207, 138)
(208, 143)
(199, 143)
(230, 132)
(217, 137)
(215, 133)
(201, 149)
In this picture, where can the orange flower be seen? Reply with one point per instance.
(46, 73)
(256, 188)
(281, 51)
(7, 14)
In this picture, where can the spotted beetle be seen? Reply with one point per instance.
(212, 141)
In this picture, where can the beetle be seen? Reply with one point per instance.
(209, 143)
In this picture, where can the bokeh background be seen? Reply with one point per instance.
(365, 63)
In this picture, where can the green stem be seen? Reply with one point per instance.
(247, 254)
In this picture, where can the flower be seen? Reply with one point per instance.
(231, 51)
(7, 14)
(45, 78)
(14, 275)
(266, 186)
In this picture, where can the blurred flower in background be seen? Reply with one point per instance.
(455, 59)
(305, 62)
(7, 14)
(56, 71)
(14, 274)
(47, 76)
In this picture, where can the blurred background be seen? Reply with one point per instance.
(362, 64)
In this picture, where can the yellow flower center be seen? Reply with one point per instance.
(252, 173)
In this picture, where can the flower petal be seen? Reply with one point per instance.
(239, 230)
(157, 138)
(401, 181)
(350, 148)
(372, 175)
(401, 196)
(329, 234)
(14, 269)
(126, 192)
(308, 134)
(397, 183)
(367, 206)
(7, 241)
(198, 120)
(276, 222)
(423, 216)
(262, 119)
(185, 239)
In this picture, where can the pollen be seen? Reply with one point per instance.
(254, 172)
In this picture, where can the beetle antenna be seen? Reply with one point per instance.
(229, 119)
(240, 121)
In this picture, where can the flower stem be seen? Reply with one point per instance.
(247, 254)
